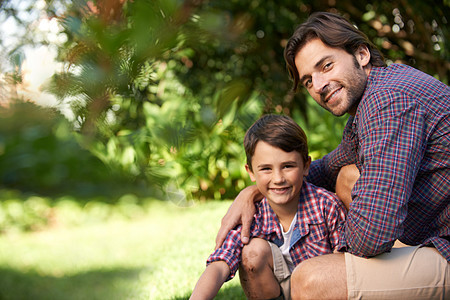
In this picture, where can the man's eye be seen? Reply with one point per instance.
(327, 66)
(307, 83)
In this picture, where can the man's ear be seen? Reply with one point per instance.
(250, 173)
(362, 55)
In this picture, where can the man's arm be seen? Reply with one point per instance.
(211, 280)
(241, 211)
(391, 148)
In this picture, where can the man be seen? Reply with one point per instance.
(398, 137)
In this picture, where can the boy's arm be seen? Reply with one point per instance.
(211, 280)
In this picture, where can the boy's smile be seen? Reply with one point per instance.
(278, 174)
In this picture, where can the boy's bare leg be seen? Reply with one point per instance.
(320, 277)
(256, 271)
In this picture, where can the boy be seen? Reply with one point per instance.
(295, 220)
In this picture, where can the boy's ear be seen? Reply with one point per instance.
(306, 166)
(250, 173)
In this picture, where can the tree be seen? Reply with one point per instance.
(164, 90)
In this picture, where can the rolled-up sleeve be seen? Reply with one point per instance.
(229, 252)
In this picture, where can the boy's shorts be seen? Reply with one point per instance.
(404, 273)
(281, 271)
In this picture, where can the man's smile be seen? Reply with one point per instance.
(326, 97)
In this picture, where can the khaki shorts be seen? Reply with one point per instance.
(403, 273)
(281, 271)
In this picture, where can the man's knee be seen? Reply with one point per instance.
(256, 255)
(347, 177)
(321, 277)
(302, 280)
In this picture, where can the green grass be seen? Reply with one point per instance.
(156, 255)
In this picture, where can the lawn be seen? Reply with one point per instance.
(156, 255)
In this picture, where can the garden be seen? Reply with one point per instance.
(117, 189)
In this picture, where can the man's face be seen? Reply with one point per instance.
(334, 78)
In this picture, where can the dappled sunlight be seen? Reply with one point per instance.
(37, 69)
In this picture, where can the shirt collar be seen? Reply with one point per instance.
(371, 81)
(307, 213)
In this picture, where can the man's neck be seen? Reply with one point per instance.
(354, 108)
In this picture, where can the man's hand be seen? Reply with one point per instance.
(240, 212)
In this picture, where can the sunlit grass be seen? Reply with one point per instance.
(156, 255)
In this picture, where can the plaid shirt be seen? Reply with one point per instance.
(315, 233)
(400, 141)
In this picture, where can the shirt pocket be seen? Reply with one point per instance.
(316, 241)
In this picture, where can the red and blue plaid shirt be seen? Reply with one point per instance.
(319, 215)
(400, 141)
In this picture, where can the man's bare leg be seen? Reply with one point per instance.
(347, 177)
(256, 271)
(320, 277)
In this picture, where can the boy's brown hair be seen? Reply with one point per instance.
(278, 131)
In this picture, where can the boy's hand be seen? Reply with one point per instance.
(240, 212)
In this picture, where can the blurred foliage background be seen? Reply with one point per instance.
(161, 92)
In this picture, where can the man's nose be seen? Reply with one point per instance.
(320, 82)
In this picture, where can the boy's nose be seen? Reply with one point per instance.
(278, 177)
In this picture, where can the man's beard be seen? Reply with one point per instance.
(355, 85)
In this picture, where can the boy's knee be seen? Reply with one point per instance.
(255, 255)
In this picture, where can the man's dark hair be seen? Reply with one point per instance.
(278, 131)
(334, 31)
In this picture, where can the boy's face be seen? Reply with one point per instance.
(278, 174)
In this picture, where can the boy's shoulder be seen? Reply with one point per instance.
(317, 199)
(318, 193)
